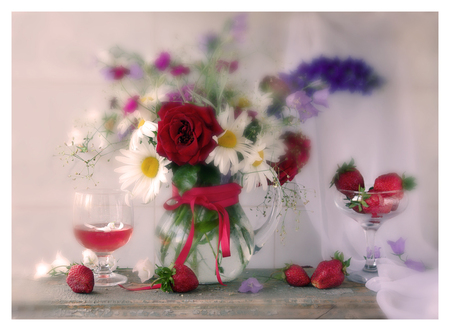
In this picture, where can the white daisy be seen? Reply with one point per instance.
(144, 129)
(145, 168)
(131, 120)
(260, 101)
(231, 142)
(256, 173)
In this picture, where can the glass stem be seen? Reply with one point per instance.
(371, 262)
(103, 268)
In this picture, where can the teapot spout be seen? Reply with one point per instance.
(263, 233)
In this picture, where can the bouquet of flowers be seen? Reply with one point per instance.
(196, 119)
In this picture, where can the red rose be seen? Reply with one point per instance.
(185, 132)
(298, 147)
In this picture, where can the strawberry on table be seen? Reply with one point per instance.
(330, 273)
(80, 279)
(295, 275)
(348, 178)
(179, 278)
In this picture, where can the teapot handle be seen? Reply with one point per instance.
(263, 233)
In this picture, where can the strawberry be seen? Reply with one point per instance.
(393, 182)
(295, 275)
(330, 273)
(177, 278)
(376, 205)
(80, 279)
(348, 178)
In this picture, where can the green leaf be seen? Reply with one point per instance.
(205, 227)
(408, 183)
(185, 177)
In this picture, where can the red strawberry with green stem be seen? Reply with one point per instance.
(330, 273)
(348, 178)
(393, 182)
(376, 205)
(80, 279)
(295, 275)
(178, 278)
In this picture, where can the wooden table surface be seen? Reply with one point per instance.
(51, 298)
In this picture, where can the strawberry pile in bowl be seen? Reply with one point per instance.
(370, 207)
(386, 198)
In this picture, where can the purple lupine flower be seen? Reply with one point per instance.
(352, 75)
(131, 105)
(250, 285)
(303, 104)
(415, 265)
(136, 71)
(376, 250)
(179, 70)
(239, 27)
(398, 247)
(163, 61)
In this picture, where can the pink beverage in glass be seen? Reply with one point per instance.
(103, 241)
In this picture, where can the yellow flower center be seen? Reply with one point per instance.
(150, 167)
(141, 123)
(228, 140)
(257, 163)
(146, 99)
(243, 102)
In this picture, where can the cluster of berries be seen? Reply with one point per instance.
(328, 274)
(382, 198)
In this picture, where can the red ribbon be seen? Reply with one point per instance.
(213, 198)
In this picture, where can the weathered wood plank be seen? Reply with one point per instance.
(52, 298)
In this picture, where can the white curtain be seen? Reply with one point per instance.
(392, 130)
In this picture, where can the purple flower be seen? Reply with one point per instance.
(131, 105)
(136, 71)
(321, 97)
(398, 247)
(163, 61)
(179, 70)
(230, 66)
(418, 266)
(303, 104)
(115, 73)
(250, 285)
(209, 42)
(376, 254)
(181, 97)
(239, 27)
(352, 75)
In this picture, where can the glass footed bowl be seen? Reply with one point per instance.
(370, 209)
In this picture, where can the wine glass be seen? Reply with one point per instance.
(103, 222)
(370, 209)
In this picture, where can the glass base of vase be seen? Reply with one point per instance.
(361, 276)
(111, 279)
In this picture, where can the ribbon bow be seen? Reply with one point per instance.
(213, 198)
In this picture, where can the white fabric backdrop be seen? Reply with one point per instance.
(395, 129)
